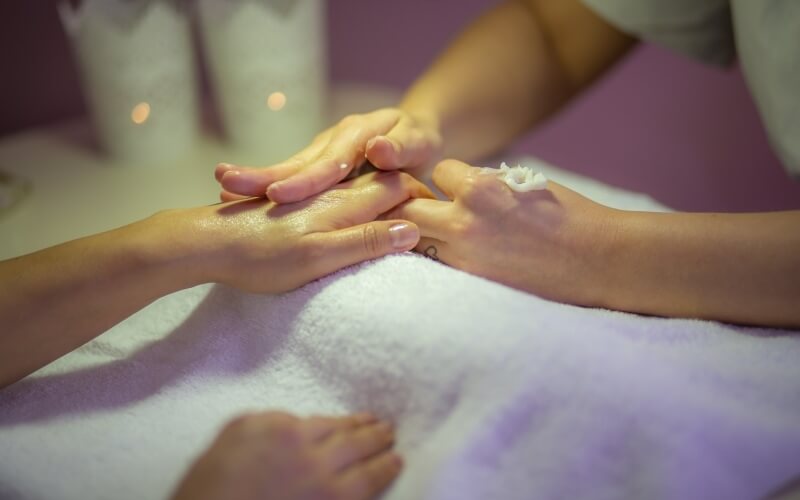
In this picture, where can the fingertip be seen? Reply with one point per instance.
(381, 152)
(284, 192)
(276, 193)
(221, 169)
(248, 183)
(229, 180)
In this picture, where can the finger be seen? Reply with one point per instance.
(374, 194)
(450, 176)
(344, 151)
(350, 446)
(345, 247)
(226, 196)
(221, 168)
(319, 428)
(251, 181)
(367, 479)
(432, 217)
(436, 250)
(309, 181)
(405, 146)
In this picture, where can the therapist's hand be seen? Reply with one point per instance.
(259, 246)
(389, 138)
(276, 456)
(550, 242)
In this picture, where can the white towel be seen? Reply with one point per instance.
(496, 394)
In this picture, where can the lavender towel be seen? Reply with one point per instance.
(497, 394)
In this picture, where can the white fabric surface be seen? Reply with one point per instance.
(496, 394)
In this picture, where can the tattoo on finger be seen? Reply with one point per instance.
(432, 253)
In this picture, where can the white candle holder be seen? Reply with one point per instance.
(138, 74)
(268, 69)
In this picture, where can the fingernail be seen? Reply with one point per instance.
(371, 142)
(225, 165)
(403, 236)
(397, 460)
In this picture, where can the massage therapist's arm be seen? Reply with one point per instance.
(509, 70)
(57, 299)
(739, 268)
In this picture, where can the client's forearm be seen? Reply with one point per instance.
(740, 268)
(57, 299)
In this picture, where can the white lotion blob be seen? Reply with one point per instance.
(520, 179)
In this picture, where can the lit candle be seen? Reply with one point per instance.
(140, 113)
(276, 101)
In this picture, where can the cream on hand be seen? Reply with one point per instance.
(520, 179)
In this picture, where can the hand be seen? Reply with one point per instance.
(389, 138)
(550, 242)
(258, 246)
(275, 456)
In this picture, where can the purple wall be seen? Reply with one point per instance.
(658, 123)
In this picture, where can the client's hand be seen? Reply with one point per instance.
(275, 456)
(549, 242)
(258, 246)
(389, 138)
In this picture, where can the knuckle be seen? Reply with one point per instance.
(465, 226)
(312, 253)
(470, 188)
(264, 425)
(406, 179)
(371, 240)
(445, 163)
(322, 136)
(350, 121)
(347, 451)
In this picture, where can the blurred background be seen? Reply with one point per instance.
(687, 134)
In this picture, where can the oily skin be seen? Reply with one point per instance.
(313, 237)
(254, 245)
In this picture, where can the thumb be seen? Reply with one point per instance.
(405, 146)
(352, 245)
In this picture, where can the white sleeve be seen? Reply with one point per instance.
(702, 29)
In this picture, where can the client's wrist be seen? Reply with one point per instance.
(172, 244)
(604, 284)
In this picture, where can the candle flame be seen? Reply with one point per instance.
(276, 101)
(140, 113)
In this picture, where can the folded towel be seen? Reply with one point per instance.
(496, 394)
